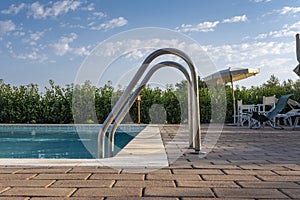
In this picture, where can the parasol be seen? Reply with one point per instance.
(231, 75)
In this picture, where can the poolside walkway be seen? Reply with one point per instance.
(245, 164)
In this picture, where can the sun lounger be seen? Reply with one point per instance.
(258, 120)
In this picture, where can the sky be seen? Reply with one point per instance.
(43, 40)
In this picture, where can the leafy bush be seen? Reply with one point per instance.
(26, 104)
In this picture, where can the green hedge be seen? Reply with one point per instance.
(26, 104)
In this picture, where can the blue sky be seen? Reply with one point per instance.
(42, 40)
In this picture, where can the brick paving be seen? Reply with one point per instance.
(244, 164)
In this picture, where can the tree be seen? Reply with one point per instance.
(83, 105)
(103, 104)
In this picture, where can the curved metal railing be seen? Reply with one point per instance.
(298, 46)
(137, 92)
(194, 116)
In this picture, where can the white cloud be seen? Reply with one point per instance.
(250, 54)
(42, 11)
(82, 51)
(261, 36)
(32, 55)
(60, 7)
(63, 47)
(295, 26)
(113, 23)
(209, 26)
(235, 19)
(39, 11)
(135, 50)
(271, 57)
(261, 1)
(282, 33)
(99, 14)
(41, 58)
(289, 10)
(19, 33)
(96, 16)
(33, 38)
(36, 36)
(89, 7)
(285, 31)
(13, 9)
(68, 25)
(9, 47)
(201, 27)
(7, 26)
(268, 56)
(269, 63)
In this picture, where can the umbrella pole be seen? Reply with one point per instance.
(234, 104)
(233, 98)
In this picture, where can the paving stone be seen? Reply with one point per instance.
(280, 178)
(288, 173)
(178, 192)
(108, 192)
(248, 161)
(141, 198)
(173, 177)
(12, 198)
(198, 171)
(178, 161)
(274, 185)
(292, 166)
(229, 178)
(196, 198)
(25, 183)
(262, 167)
(82, 183)
(249, 193)
(62, 176)
(4, 177)
(117, 176)
(45, 192)
(294, 193)
(161, 171)
(207, 184)
(65, 198)
(220, 162)
(43, 170)
(94, 170)
(229, 166)
(14, 167)
(146, 183)
(180, 166)
(249, 172)
(8, 170)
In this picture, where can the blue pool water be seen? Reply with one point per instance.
(29, 141)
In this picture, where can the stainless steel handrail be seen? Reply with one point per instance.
(298, 47)
(195, 114)
(131, 101)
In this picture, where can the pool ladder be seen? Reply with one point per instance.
(125, 102)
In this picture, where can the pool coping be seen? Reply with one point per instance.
(146, 150)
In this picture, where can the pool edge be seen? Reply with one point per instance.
(146, 150)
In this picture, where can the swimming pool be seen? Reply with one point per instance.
(58, 141)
